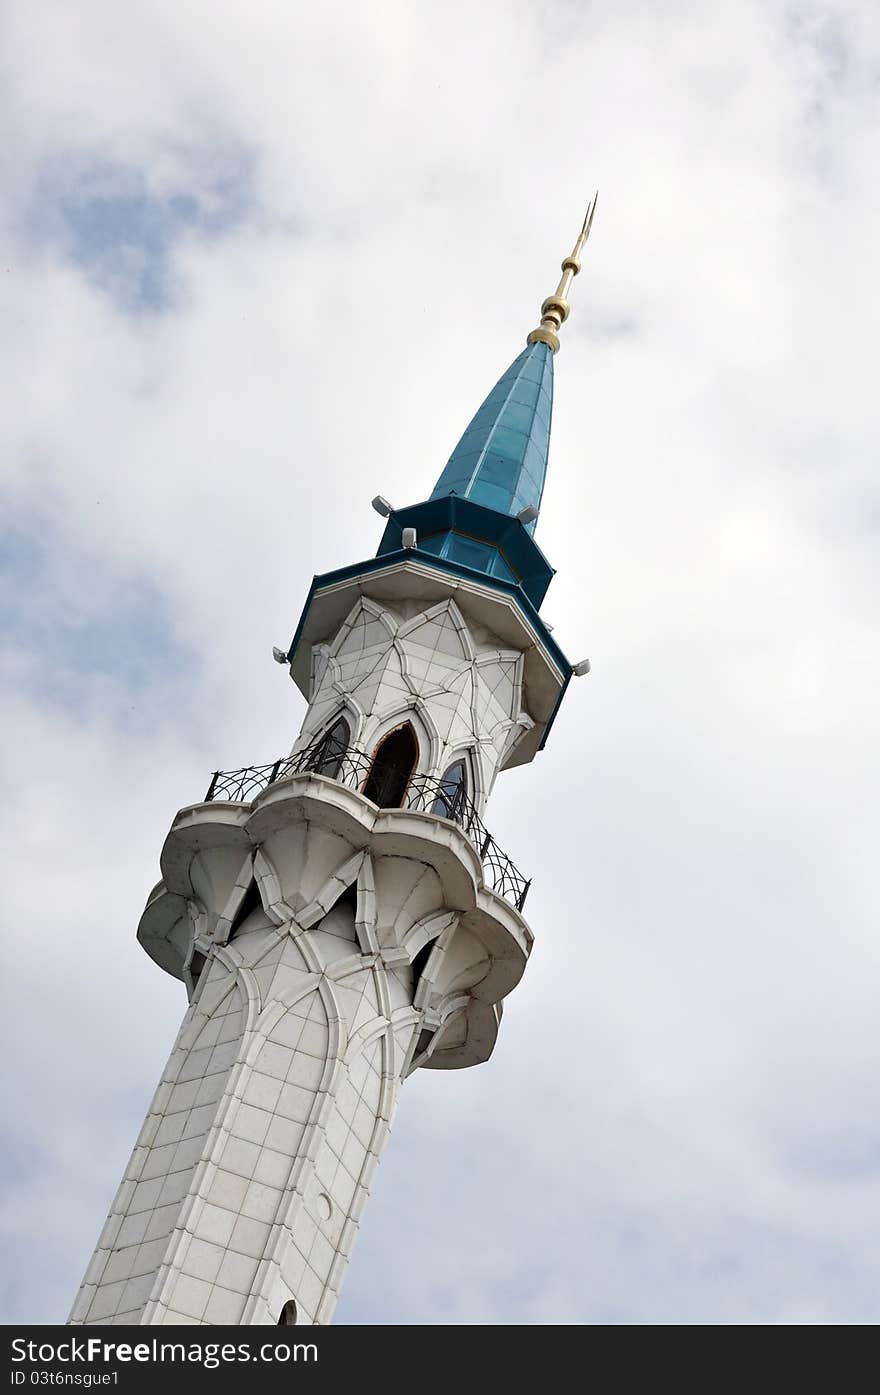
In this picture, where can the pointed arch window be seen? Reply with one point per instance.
(452, 792)
(329, 752)
(392, 768)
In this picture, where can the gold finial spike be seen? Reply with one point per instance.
(554, 311)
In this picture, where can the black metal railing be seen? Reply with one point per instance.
(330, 757)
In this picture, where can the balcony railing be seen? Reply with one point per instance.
(351, 767)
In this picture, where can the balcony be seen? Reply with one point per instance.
(423, 794)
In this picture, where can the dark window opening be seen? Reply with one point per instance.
(287, 1316)
(349, 897)
(419, 964)
(196, 964)
(329, 752)
(251, 901)
(452, 792)
(424, 1041)
(392, 768)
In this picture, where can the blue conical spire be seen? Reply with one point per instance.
(481, 515)
(501, 460)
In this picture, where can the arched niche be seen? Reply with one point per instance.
(394, 761)
(329, 750)
(287, 1316)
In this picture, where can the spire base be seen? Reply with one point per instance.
(543, 335)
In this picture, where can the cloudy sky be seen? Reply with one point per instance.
(261, 262)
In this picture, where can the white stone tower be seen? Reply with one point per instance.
(343, 917)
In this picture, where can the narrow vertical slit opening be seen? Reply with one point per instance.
(251, 901)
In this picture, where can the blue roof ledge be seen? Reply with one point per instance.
(441, 522)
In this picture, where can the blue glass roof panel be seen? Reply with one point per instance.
(494, 496)
(501, 459)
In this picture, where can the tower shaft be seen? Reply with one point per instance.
(251, 1171)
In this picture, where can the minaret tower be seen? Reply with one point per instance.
(343, 917)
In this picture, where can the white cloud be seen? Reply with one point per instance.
(689, 1134)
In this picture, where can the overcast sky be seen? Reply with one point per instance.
(263, 261)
